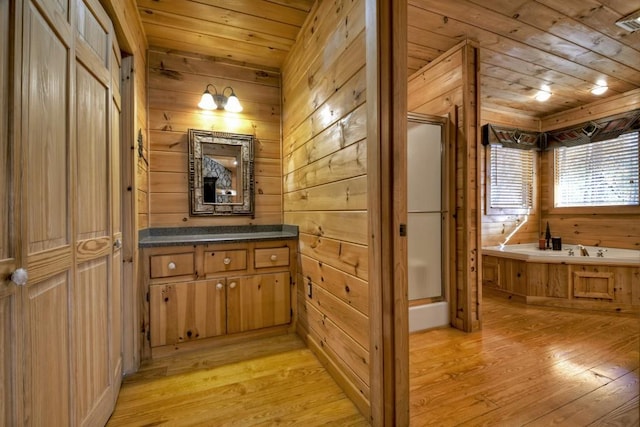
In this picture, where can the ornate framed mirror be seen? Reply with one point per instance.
(220, 173)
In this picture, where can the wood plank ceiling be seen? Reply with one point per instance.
(567, 45)
(257, 32)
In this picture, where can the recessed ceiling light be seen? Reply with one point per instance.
(600, 87)
(543, 94)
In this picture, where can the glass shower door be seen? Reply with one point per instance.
(425, 153)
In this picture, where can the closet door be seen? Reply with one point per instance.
(94, 292)
(10, 259)
(60, 333)
(46, 209)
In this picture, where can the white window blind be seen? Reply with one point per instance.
(511, 178)
(602, 173)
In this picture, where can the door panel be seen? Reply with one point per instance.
(47, 377)
(46, 136)
(93, 183)
(6, 151)
(91, 329)
(258, 301)
(182, 312)
(8, 356)
(44, 310)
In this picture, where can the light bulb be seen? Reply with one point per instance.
(600, 87)
(543, 94)
(233, 104)
(206, 102)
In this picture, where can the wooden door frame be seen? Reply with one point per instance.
(386, 59)
(130, 330)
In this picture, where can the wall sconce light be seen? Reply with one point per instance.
(215, 100)
(543, 94)
(600, 87)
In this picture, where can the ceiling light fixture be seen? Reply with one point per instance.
(543, 94)
(600, 87)
(215, 100)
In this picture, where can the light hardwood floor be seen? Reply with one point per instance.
(270, 381)
(528, 366)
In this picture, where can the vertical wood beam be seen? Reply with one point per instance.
(386, 155)
(470, 198)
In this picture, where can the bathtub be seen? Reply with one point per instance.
(610, 282)
(530, 252)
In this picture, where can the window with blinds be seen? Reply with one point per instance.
(602, 173)
(511, 180)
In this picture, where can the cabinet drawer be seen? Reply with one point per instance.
(271, 257)
(172, 265)
(221, 261)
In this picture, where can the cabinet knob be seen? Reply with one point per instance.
(219, 286)
(171, 265)
(232, 285)
(227, 261)
(20, 277)
(274, 257)
(117, 244)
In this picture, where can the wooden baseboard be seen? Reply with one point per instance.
(504, 294)
(361, 402)
(604, 306)
(172, 350)
(573, 304)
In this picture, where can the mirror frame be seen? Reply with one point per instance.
(197, 207)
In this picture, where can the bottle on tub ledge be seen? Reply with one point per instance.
(547, 237)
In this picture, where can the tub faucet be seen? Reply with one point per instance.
(570, 253)
(601, 252)
(583, 251)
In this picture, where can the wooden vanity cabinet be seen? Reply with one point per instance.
(201, 293)
(187, 311)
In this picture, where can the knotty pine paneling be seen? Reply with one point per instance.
(324, 157)
(508, 228)
(176, 82)
(448, 86)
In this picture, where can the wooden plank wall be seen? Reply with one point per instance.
(325, 181)
(176, 82)
(448, 87)
(619, 228)
(508, 228)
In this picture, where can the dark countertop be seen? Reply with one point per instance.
(180, 236)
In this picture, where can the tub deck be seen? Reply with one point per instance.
(529, 252)
(547, 277)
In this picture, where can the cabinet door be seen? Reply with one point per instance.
(182, 312)
(259, 301)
